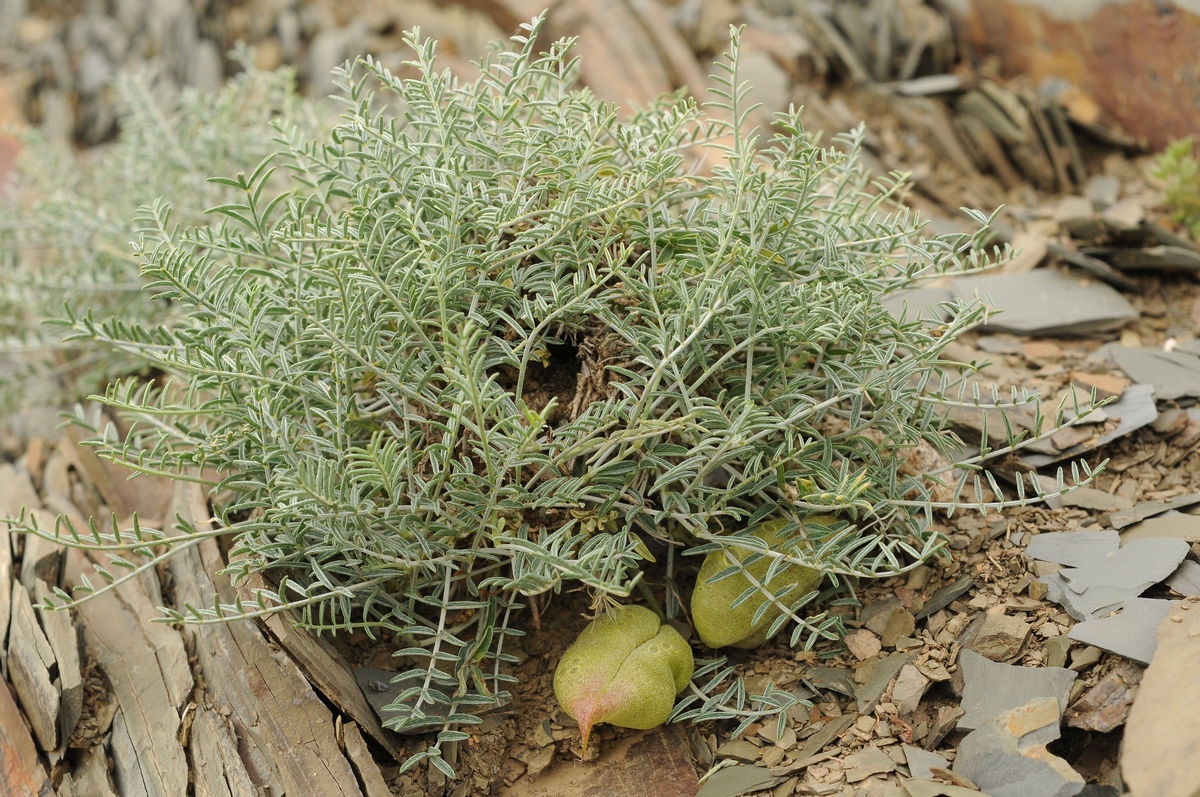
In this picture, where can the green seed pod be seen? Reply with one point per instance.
(624, 669)
(719, 625)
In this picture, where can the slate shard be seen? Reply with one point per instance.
(1104, 584)
(1129, 633)
(1146, 509)
(1105, 706)
(1136, 408)
(1174, 374)
(1047, 302)
(1185, 580)
(1073, 548)
(1007, 757)
(920, 762)
(990, 688)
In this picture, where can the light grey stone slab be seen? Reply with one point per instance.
(1073, 548)
(1174, 374)
(1103, 584)
(1146, 509)
(1136, 408)
(1007, 757)
(1162, 732)
(920, 762)
(1103, 190)
(737, 780)
(1169, 524)
(1186, 579)
(990, 688)
(1047, 302)
(1130, 633)
(911, 685)
(867, 762)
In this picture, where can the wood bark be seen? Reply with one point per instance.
(270, 705)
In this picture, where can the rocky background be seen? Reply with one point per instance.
(1124, 72)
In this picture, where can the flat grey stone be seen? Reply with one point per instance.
(1007, 757)
(1047, 302)
(910, 687)
(867, 762)
(1173, 259)
(920, 762)
(1174, 374)
(1145, 509)
(740, 750)
(1091, 498)
(882, 673)
(1103, 584)
(834, 679)
(1074, 208)
(1000, 344)
(1125, 215)
(1057, 648)
(1000, 637)
(1162, 732)
(1103, 190)
(738, 780)
(946, 595)
(1185, 580)
(1073, 548)
(1169, 524)
(1131, 633)
(1056, 587)
(928, 787)
(1134, 409)
(990, 688)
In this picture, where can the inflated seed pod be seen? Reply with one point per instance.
(721, 626)
(624, 669)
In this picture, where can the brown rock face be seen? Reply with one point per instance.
(1133, 59)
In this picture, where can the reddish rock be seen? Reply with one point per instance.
(10, 147)
(1134, 59)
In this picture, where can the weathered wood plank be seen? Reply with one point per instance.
(369, 775)
(271, 706)
(6, 580)
(326, 670)
(64, 642)
(217, 768)
(30, 660)
(21, 773)
(42, 558)
(150, 679)
(149, 496)
(90, 776)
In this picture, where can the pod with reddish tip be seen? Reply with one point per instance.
(624, 669)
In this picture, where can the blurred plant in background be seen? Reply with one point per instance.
(67, 227)
(1179, 169)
